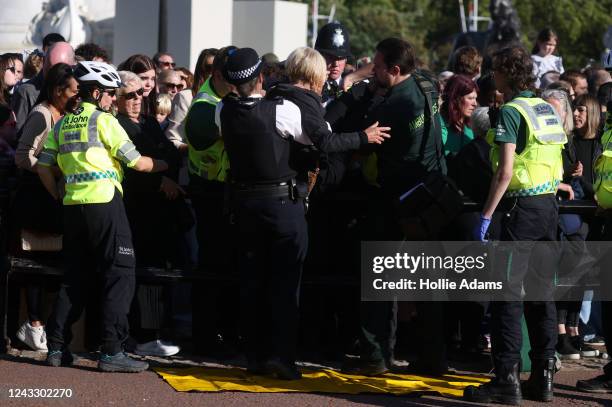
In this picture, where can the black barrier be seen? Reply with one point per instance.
(15, 270)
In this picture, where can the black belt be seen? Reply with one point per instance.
(282, 190)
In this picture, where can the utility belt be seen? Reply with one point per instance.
(289, 189)
(508, 203)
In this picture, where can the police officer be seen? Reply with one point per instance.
(89, 146)
(271, 227)
(333, 43)
(208, 165)
(272, 236)
(529, 139)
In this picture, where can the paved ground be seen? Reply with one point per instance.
(21, 369)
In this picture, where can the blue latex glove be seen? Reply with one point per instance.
(480, 232)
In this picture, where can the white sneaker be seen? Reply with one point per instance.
(33, 336)
(157, 348)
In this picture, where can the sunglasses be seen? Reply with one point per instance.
(166, 63)
(110, 92)
(134, 94)
(178, 86)
(11, 68)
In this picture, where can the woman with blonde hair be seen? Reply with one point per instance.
(307, 71)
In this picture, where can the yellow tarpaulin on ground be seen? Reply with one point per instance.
(208, 379)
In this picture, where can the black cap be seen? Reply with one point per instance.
(242, 65)
(333, 39)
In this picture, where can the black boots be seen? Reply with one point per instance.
(505, 388)
(539, 386)
(365, 368)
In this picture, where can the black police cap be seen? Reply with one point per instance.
(333, 39)
(242, 65)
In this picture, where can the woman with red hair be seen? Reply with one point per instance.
(458, 103)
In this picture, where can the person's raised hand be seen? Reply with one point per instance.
(376, 134)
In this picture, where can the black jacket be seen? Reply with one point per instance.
(471, 169)
(569, 160)
(313, 121)
(329, 155)
(154, 220)
(353, 109)
(151, 142)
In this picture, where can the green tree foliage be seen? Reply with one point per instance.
(580, 25)
(430, 25)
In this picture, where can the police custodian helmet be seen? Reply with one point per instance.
(333, 39)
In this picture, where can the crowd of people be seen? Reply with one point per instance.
(272, 170)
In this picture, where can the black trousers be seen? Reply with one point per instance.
(568, 312)
(99, 257)
(214, 303)
(378, 320)
(606, 306)
(272, 240)
(529, 219)
(35, 209)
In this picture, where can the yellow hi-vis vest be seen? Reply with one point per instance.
(538, 169)
(85, 146)
(603, 172)
(211, 164)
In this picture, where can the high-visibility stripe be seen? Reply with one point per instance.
(57, 127)
(537, 190)
(603, 176)
(551, 138)
(82, 146)
(91, 176)
(533, 118)
(203, 96)
(78, 147)
(92, 127)
(128, 153)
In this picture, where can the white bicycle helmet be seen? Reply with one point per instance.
(97, 73)
(607, 60)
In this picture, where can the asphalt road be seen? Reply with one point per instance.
(92, 388)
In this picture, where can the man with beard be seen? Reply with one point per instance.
(408, 156)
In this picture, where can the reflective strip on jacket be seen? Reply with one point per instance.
(538, 169)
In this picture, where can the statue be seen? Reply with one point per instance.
(506, 24)
(504, 30)
(64, 17)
